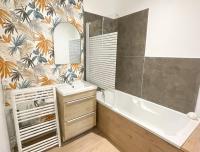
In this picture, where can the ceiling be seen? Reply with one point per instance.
(115, 8)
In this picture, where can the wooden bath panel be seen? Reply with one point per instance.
(193, 143)
(130, 137)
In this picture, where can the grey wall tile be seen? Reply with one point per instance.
(129, 75)
(132, 34)
(95, 28)
(90, 17)
(110, 25)
(172, 82)
(96, 23)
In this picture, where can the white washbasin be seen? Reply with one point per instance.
(76, 87)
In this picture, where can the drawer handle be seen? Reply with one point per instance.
(84, 116)
(78, 100)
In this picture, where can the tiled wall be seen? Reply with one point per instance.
(171, 82)
(131, 49)
(99, 24)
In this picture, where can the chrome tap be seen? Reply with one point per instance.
(103, 94)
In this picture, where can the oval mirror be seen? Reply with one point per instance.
(67, 44)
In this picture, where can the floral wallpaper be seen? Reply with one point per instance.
(26, 44)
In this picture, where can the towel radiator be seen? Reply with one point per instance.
(36, 119)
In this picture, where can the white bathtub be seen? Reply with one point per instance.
(172, 126)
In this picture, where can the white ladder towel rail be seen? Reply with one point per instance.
(46, 94)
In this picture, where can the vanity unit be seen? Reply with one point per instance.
(77, 108)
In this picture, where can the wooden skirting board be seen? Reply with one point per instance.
(129, 137)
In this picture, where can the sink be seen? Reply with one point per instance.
(76, 87)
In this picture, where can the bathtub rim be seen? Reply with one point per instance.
(169, 109)
(177, 145)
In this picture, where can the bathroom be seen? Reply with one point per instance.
(99, 76)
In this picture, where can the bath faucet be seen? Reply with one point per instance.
(103, 93)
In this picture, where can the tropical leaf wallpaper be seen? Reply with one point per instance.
(26, 42)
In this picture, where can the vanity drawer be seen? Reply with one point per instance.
(79, 95)
(79, 107)
(79, 125)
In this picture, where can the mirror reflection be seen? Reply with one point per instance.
(67, 45)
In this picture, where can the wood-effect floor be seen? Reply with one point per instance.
(92, 141)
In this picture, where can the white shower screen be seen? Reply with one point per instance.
(101, 55)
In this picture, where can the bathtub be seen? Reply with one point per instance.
(172, 126)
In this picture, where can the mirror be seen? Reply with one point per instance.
(67, 44)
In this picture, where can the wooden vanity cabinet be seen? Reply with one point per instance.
(77, 113)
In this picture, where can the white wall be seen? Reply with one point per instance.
(173, 26)
(4, 140)
(105, 8)
(174, 29)
(125, 7)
